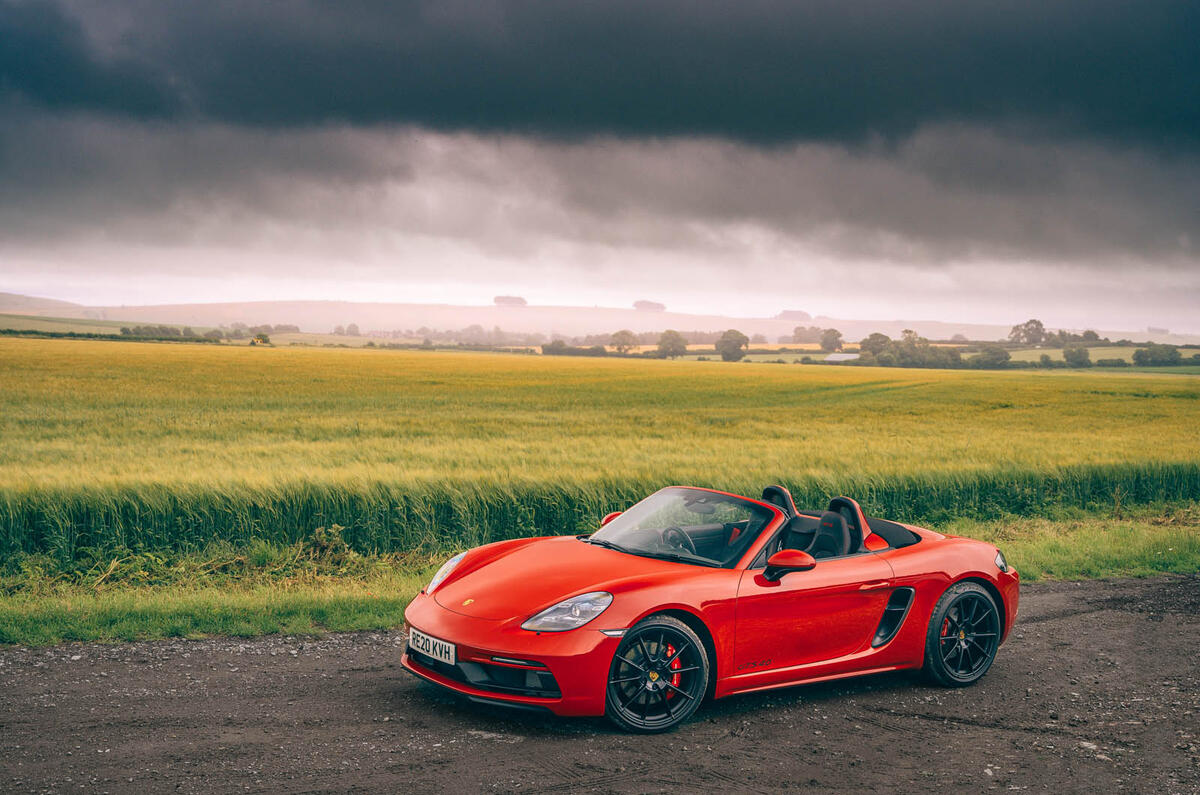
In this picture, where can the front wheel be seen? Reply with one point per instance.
(964, 633)
(658, 676)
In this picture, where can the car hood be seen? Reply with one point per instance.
(526, 579)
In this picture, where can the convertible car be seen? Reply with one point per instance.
(693, 594)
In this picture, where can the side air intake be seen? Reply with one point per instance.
(893, 616)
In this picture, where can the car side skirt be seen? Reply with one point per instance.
(860, 663)
(810, 680)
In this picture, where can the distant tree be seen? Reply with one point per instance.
(732, 345)
(352, 330)
(509, 300)
(1077, 356)
(126, 331)
(992, 357)
(758, 339)
(1156, 355)
(1031, 332)
(1090, 336)
(1045, 361)
(831, 340)
(624, 340)
(262, 339)
(214, 334)
(187, 331)
(671, 344)
(875, 343)
(471, 335)
(649, 306)
(339, 330)
(561, 348)
(959, 338)
(806, 334)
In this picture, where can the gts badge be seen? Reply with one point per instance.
(757, 664)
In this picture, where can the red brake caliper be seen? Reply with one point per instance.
(675, 664)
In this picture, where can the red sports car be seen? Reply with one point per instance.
(696, 593)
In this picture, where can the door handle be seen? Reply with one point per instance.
(874, 585)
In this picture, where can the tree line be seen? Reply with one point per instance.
(880, 350)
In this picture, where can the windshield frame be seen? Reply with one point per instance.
(768, 530)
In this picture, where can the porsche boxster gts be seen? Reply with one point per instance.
(693, 594)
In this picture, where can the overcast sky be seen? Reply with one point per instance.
(938, 159)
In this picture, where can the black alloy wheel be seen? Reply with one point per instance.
(964, 634)
(658, 676)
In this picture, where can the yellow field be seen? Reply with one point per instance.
(1056, 354)
(166, 441)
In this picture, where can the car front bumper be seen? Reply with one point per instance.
(565, 673)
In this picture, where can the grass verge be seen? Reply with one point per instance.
(319, 584)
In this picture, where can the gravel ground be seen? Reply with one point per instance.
(1097, 690)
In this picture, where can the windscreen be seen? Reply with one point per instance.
(688, 525)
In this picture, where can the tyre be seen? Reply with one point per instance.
(964, 633)
(658, 676)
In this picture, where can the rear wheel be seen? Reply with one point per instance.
(658, 676)
(964, 633)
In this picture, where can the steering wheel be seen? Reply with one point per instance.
(673, 536)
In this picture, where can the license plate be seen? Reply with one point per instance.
(431, 647)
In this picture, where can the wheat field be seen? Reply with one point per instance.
(143, 445)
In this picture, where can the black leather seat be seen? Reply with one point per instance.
(833, 537)
(781, 498)
(799, 533)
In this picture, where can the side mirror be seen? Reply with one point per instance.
(610, 517)
(786, 560)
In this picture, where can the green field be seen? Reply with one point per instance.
(788, 358)
(263, 587)
(61, 324)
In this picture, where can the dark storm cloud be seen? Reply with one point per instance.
(942, 194)
(46, 59)
(756, 70)
(928, 154)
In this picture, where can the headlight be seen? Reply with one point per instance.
(1001, 563)
(444, 572)
(570, 613)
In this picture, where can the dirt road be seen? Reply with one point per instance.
(1098, 690)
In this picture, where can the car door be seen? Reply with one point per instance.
(810, 616)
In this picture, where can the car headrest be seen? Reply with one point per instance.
(855, 521)
(781, 498)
